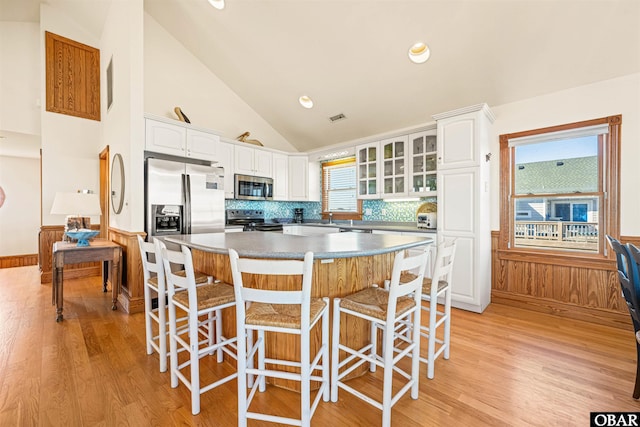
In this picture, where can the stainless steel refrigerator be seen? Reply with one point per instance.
(183, 197)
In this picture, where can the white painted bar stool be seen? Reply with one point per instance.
(385, 310)
(438, 286)
(155, 285)
(197, 302)
(281, 311)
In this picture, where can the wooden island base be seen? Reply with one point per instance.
(335, 277)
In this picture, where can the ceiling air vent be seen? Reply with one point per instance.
(337, 117)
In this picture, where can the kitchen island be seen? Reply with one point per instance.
(344, 263)
(285, 246)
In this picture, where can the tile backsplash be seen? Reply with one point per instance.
(401, 211)
(373, 210)
(277, 209)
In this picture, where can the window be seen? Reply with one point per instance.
(339, 189)
(559, 187)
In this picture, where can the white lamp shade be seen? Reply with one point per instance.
(79, 204)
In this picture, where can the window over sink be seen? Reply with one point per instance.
(339, 195)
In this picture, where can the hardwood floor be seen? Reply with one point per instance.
(508, 367)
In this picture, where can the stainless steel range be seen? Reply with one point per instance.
(251, 219)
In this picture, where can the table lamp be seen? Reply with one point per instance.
(77, 206)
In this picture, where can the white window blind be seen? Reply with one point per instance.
(559, 135)
(340, 188)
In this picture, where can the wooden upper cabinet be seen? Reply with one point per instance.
(73, 77)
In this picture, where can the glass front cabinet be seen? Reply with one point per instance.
(394, 166)
(422, 163)
(367, 158)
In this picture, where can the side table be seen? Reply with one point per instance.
(102, 250)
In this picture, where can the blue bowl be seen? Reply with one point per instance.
(82, 236)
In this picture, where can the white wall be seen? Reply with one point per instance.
(70, 145)
(20, 214)
(606, 98)
(20, 77)
(173, 77)
(123, 123)
(20, 123)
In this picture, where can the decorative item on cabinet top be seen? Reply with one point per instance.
(181, 116)
(244, 136)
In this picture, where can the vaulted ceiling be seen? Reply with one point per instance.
(350, 56)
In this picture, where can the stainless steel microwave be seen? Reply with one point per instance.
(249, 187)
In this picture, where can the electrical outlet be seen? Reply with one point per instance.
(368, 211)
(383, 212)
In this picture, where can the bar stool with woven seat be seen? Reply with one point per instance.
(442, 277)
(196, 301)
(281, 311)
(155, 284)
(385, 310)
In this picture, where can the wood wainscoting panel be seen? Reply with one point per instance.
(18, 260)
(48, 235)
(634, 240)
(584, 290)
(131, 296)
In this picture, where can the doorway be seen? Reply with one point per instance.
(105, 192)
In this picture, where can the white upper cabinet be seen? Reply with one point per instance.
(280, 176)
(304, 179)
(201, 145)
(165, 138)
(422, 163)
(179, 140)
(251, 161)
(298, 178)
(314, 181)
(367, 167)
(465, 136)
(394, 167)
(224, 157)
(398, 167)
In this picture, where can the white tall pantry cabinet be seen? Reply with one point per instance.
(463, 201)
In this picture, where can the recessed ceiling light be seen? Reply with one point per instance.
(218, 4)
(419, 53)
(305, 101)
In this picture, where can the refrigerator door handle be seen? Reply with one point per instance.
(186, 193)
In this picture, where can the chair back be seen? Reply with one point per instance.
(272, 267)
(148, 266)
(444, 265)
(179, 282)
(159, 246)
(628, 277)
(407, 264)
(634, 277)
(634, 266)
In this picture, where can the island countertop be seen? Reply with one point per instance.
(286, 246)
